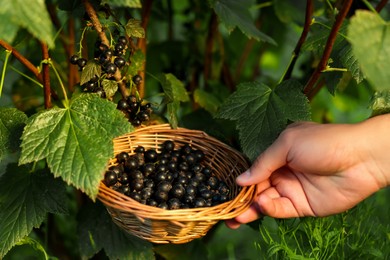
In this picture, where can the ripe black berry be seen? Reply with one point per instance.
(199, 202)
(110, 68)
(110, 178)
(177, 191)
(161, 196)
(119, 62)
(73, 59)
(131, 163)
(174, 203)
(122, 157)
(150, 155)
(139, 149)
(122, 39)
(122, 104)
(82, 62)
(164, 186)
(168, 146)
(137, 79)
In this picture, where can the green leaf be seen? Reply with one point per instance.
(8, 30)
(137, 61)
(97, 231)
(76, 141)
(290, 10)
(134, 29)
(110, 87)
(89, 71)
(206, 100)
(350, 62)
(236, 14)
(123, 3)
(12, 122)
(34, 244)
(174, 89)
(370, 39)
(262, 113)
(380, 103)
(172, 109)
(25, 199)
(32, 16)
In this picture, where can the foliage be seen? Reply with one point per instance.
(238, 70)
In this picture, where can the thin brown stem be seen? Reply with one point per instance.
(103, 37)
(46, 75)
(380, 6)
(244, 56)
(141, 44)
(208, 56)
(302, 38)
(22, 60)
(328, 48)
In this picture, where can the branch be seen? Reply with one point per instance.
(328, 47)
(306, 28)
(46, 75)
(22, 60)
(380, 6)
(208, 56)
(141, 44)
(103, 37)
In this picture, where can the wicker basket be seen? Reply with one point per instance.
(182, 225)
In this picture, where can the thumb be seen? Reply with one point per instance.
(274, 157)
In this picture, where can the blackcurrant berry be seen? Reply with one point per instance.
(186, 149)
(124, 178)
(163, 205)
(119, 46)
(73, 59)
(164, 186)
(136, 122)
(119, 62)
(122, 157)
(143, 116)
(146, 192)
(110, 68)
(148, 169)
(161, 196)
(118, 169)
(131, 163)
(191, 190)
(135, 196)
(174, 203)
(137, 79)
(150, 155)
(139, 149)
(199, 202)
(82, 62)
(177, 191)
(110, 178)
(122, 104)
(168, 146)
(122, 39)
(213, 182)
(151, 202)
(137, 184)
(206, 194)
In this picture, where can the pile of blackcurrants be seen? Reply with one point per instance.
(174, 178)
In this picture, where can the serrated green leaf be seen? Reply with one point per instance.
(369, 35)
(97, 231)
(380, 103)
(173, 88)
(137, 61)
(91, 69)
(262, 113)
(12, 122)
(34, 244)
(110, 87)
(350, 62)
(25, 199)
(8, 30)
(319, 34)
(123, 3)
(172, 109)
(236, 14)
(134, 29)
(32, 16)
(206, 100)
(76, 141)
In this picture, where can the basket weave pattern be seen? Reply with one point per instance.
(182, 225)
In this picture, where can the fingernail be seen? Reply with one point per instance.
(244, 176)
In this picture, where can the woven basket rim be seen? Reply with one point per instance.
(223, 211)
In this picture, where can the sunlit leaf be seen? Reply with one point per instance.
(32, 16)
(380, 103)
(262, 113)
(110, 87)
(137, 61)
(369, 35)
(134, 28)
(90, 70)
(25, 199)
(76, 141)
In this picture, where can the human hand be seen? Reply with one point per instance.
(318, 170)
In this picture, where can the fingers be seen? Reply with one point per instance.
(270, 160)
